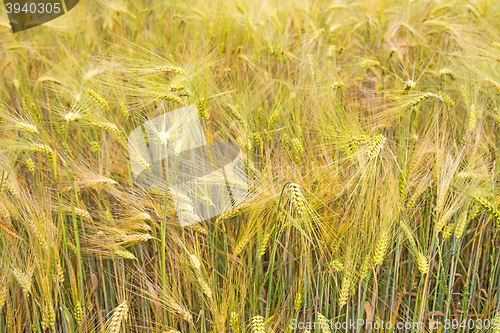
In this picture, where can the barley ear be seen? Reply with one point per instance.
(119, 317)
(323, 323)
(234, 322)
(258, 324)
(422, 263)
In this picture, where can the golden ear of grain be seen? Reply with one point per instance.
(365, 267)
(4, 293)
(460, 226)
(422, 263)
(369, 63)
(50, 79)
(472, 116)
(381, 248)
(60, 273)
(78, 312)
(205, 287)
(447, 72)
(240, 246)
(492, 83)
(202, 108)
(95, 147)
(375, 146)
(48, 315)
(325, 327)
(172, 69)
(30, 165)
(465, 95)
(338, 85)
(443, 220)
(124, 254)
(72, 116)
(409, 85)
(258, 324)
(264, 239)
(98, 99)
(273, 118)
(402, 186)
(233, 111)
(298, 200)
(119, 316)
(299, 297)
(489, 207)
(337, 266)
(344, 290)
(27, 127)
(4, 212)
(497, 319)
(447, 99)
(297, 146)
(166, 97)
(124, 110)
(106, 125)
(198, 228)
(420, 99)
(23, 280)
(409, 235)
(234, 322)
(448, 230)
(195, 262)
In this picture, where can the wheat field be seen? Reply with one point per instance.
(369, 134)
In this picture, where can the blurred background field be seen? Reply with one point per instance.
(370, 138)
